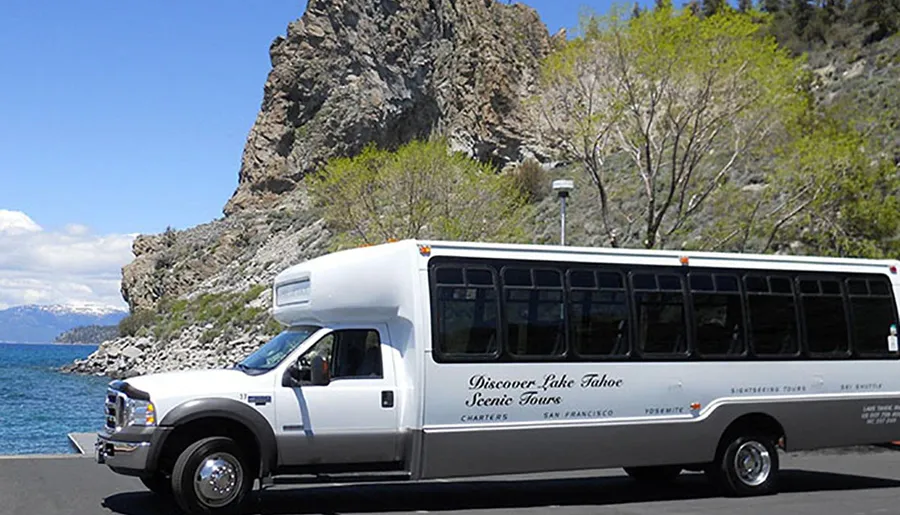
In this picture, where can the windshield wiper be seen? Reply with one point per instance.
(242, 367)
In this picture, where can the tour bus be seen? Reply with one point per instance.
(429, 359)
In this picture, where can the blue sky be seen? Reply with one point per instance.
(127, 117)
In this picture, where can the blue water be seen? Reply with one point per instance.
(39, 406)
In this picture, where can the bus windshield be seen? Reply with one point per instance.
(275, 350)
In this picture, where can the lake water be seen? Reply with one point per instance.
(39, 406)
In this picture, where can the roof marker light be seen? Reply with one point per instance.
(425, 250)
(893, 269)
(695, 406)
(683, 260)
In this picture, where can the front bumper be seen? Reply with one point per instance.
(131, 451)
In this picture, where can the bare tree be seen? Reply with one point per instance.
(681, 100)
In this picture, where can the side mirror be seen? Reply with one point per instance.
(319, 373)
(305, 373)
(291, 377)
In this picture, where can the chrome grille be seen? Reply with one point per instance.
(115, 409)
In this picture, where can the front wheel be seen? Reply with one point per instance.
(211, 476)
(747, 465)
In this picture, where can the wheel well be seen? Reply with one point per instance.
(188, 433)
(755, 422)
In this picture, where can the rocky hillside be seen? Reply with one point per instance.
(345, 74)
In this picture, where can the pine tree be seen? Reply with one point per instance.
(636, 10)
(745, 5)
(711, 7)
(694, 7)
(801, 14)
(771, 6)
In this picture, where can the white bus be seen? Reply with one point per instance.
(430, 359)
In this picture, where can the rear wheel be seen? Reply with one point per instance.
(211, 476)
(746, 465)
(655, 474)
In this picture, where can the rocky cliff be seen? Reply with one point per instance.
(346, 74)
(353, 72)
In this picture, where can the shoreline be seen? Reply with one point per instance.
(55, 344)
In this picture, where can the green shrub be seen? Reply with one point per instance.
(134, 322)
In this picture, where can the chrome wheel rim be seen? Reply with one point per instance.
(752, 463)
(218, 479)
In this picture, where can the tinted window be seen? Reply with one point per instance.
(581, 279)
(718, 316)
(872, 315)
(535, 323)
(756, 283)
(517, 277)
(824, 317)
(479, 277)
(449, 276)
(598, 317)
(357, 354)
(727, 283)
(772, 316)
(661, 320)
(467, 316)
(643, 281)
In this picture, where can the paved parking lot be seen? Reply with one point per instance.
(854, 482)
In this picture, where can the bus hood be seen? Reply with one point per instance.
(169, 389)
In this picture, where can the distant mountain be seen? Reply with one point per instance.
(42, 324)
(89, 334)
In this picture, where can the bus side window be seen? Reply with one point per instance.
(873, 312)
(825, 318)
(772, 316)
(534, 312)
(659, 303)
(598, 314)
(467, 313)
(718, 315)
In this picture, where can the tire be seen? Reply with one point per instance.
(657, 474)
(158, 484)
(746, 465)
(214, 456)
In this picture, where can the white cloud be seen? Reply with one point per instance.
(16, 222)
(38, 266)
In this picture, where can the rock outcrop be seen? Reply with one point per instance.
(354, 72)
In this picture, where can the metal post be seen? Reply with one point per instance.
(562, 188)
(562, 219)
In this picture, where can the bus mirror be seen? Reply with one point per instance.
(319, 375)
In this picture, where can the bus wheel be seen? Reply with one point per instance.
(211, 476)
(746, 465)
(655, 474)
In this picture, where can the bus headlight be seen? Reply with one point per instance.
(139, 413)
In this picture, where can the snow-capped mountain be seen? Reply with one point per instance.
(43, 323)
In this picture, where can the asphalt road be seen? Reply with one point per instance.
(860, 482)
